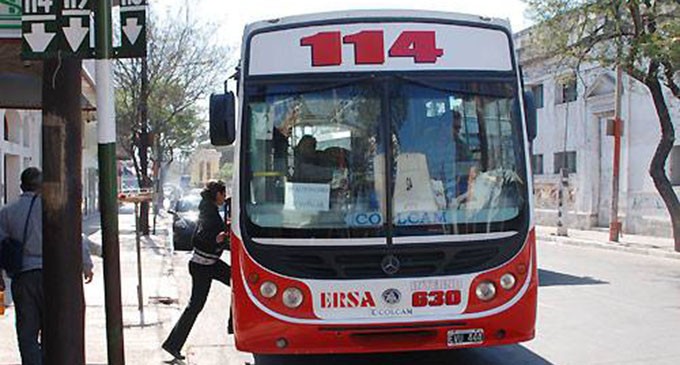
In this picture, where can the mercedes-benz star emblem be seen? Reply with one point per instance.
(391, 296)
(390, 264)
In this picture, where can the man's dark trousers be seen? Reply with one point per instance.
(29, 301)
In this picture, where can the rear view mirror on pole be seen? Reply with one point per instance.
(222, 119)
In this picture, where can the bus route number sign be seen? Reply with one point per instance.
(369, 47)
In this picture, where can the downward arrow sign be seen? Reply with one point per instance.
(38, 39)
(132, 30)
(75, 33)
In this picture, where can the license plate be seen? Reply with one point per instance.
(465, 337)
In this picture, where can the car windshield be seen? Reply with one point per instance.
(317, 156)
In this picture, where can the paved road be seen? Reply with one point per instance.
(595, 307)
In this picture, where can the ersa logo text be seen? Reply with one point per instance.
(350, 299)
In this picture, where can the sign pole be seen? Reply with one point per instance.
(138, 246)
(106, 135)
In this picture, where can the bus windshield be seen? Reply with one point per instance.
(317, 156)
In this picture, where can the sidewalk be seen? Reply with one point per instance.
(159, 287)
(637, 244)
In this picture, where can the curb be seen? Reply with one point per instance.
(613, 246)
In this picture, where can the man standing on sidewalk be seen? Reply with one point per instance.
(22, 221)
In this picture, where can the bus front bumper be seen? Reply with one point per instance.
(259, 333)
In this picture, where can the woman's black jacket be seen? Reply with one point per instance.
(209, 225)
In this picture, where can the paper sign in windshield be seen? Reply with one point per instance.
(263, 125)
(307, 197)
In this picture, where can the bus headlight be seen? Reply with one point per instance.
(292, 297)
(485, 291)
(508, 281)
(268, 289)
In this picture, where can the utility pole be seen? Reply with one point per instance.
(617, 130)
(562, 190)
(64, 340)
(563, 183)
(108, 200)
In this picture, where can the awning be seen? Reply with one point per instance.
(21, 81)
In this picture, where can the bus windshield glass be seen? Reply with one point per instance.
(316, 156)
(457, 155)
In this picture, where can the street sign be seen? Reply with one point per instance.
(38, 27)
(56, 28)
(63, 28)
(75, 26)
(133, 28)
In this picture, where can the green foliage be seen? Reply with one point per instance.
(632, 33)
(226, 172)
(185, 64)
(640, 36)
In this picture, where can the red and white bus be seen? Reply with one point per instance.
(382, 187)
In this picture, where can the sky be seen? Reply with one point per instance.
(233, 15)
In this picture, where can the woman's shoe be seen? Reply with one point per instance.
(230, 325)
(174, 353)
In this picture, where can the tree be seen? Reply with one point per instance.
(157, 97)
(226, 172)
(641, 36)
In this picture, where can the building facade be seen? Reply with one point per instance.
(574, 108)
(20, 148)
(204, 165)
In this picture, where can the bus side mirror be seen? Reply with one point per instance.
(222, 119)
(530, 113)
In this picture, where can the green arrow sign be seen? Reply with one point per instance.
(133, 29)
(75, 28)
(56, 28)
(62, 28)
(38, 28)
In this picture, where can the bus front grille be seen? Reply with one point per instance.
(331, 264)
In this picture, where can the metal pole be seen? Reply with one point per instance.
(144, 143)
(140, 293)
(563, 183)
(614, 224)
(106, 136)
(561, 192)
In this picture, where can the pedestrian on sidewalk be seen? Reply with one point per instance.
(209, 241)
(22, 221)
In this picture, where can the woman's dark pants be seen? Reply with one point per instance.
(201, 278)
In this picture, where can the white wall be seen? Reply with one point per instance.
(21, 151)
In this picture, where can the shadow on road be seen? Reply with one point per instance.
(552, 278)
(512, 354)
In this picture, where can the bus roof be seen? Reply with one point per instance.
(402, 14)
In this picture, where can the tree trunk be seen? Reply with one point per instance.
(64, 320)
(657, 168)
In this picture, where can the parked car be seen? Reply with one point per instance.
(185, 215)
